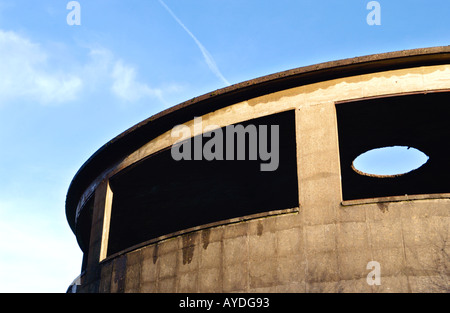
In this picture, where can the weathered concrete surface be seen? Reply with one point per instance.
(294, 253)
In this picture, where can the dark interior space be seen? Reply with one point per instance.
(159, 195)
(83, 227)
(421, 121)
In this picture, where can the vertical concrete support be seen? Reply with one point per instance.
(106, 222)
(319, 193)
(99, 235)
(318, 163)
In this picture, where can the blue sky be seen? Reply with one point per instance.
(67, 90)
(394, 160)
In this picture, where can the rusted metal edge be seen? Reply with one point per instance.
(133, 138)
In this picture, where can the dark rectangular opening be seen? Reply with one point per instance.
(420, 121)
(159, 195)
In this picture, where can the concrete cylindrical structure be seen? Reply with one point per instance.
(311, 223)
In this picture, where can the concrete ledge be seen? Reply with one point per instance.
(396, 199)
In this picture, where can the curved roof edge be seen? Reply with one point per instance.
(136, 136)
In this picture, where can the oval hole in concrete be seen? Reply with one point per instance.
(389, 161)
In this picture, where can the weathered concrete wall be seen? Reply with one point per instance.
(297, 253)
(325, 246)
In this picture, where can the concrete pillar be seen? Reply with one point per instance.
(99, 235)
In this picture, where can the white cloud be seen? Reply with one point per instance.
(126, 87)
(28, 72)
(25, 74)
(121, 78)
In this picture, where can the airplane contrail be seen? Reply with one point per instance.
(208, 57)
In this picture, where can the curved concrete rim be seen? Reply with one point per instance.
(139, 134)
